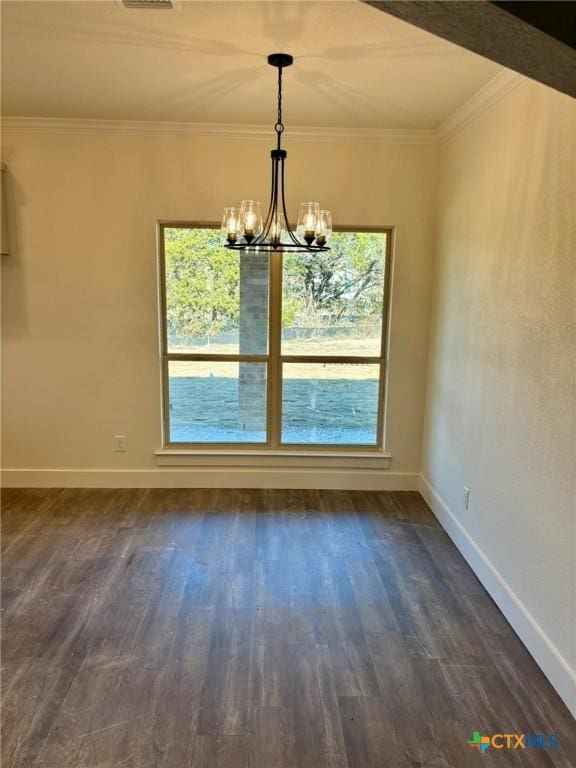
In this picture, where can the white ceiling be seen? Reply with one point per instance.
(206, 62)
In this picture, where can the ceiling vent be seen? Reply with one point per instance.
(165, 4)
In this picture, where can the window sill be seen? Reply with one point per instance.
(204, 457)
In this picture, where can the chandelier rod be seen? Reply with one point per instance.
(279, 127)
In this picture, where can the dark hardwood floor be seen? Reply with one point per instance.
(269, 629)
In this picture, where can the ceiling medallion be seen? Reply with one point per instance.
(243, 229)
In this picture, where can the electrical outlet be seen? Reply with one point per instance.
(120, 443)
(466, 497)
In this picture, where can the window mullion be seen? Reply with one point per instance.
(345, 359)
(274, 341)
(209, 356)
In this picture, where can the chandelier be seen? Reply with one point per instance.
(243, 228)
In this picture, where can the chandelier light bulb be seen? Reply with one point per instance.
(231, 225)
(251, 219)
(323, 227)
(307, 219)
(277, 229)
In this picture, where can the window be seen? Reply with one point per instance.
(273, 351)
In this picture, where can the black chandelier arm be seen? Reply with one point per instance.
(275, 189)
(273, 195)
(269, 216)
(288, 227)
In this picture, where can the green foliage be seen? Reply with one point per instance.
(291, 307)
(343, 283)
(203, 282)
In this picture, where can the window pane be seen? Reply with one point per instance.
(330, 403)
(333, 302)
(217, 402)
(216, 299)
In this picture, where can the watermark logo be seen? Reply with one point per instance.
(481, 743)
(514, 741)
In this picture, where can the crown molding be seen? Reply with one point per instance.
(228, 131)
(491, 92)
(501, 84)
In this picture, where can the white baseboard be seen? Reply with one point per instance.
(546, 655)
(212, 477)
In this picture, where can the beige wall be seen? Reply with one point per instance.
(501, 388)
(80, 321)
